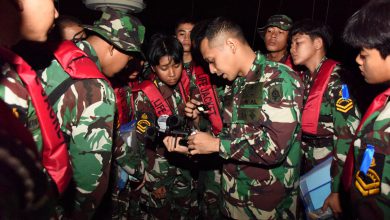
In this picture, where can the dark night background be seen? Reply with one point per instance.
(161, 16)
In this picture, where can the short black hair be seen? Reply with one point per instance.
(64, 20)
(164, 45)
(185, 20)
(198, 33)
(314, 29)
(224, 25)
(370, 27)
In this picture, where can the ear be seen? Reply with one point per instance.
(232, 44)
(111, 49)
(318, 43)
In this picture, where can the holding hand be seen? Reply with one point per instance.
(172, 145)
(191, 110)
(333, 202)
(203, 143)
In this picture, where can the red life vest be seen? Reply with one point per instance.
(209, 98)
(76, 62)
(55, 156)
(289, 62)
(158, 102)
(311, 111)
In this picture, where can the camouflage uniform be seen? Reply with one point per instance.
(86, 115)
(126, 33)
(261, 143)
(208, 166)
(370, 194)
(128, 159)
(15, 94)
(163, 169)
(335, 128)
(23, 184)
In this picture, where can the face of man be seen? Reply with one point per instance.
(373, 67)
(220, 58)
(168, 71)
(302, 49)
(131, 71)
(37, 18)
(115, 62)
(275, 39)
(183, 34)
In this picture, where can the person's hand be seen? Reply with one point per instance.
(203, 143)
(333, 202)
(191, 111)
(172, 145)
(160, 193)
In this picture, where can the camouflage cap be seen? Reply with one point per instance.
(123, 30)
(280, 21)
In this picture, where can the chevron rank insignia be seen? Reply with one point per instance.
(344, 105)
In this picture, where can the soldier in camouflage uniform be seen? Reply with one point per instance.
(338, 116)
(25, 190)
(260, 139)
(168, 189)
(12, 89)
(366, 173)
(23, 184)
(208, 173)
(275, 36)
(127, 178)
(86, 108)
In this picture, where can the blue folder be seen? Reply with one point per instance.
(315, 185)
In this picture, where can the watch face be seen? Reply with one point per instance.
(202, 108)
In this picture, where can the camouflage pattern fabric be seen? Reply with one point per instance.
(261, 143)
(336, 127)
(23, 184)
(126, 201)
(86, 116)
(370, 194)
(280, 21)
(162, 168)
(208, 166)
(128, 157)
(13, 92)
(126, 32)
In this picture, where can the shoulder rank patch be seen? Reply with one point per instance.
(275, 93)
(370, 184)
(143, 123)
(345, 103)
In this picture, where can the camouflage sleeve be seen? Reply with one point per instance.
(269, 129)
(86, 114)
(129, 157)
(346, 118)
(15, 94)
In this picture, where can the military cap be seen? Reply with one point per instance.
(124, 31)
(280, 21)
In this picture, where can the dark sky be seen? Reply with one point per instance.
(160, 15)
